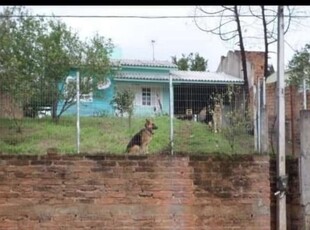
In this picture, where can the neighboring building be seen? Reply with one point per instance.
(149, 80)
(255, 62)
(294, 100)
(293, 95)
(272, 78)
(232, 64)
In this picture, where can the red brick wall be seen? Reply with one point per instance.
(256, 58)
(258, 61)
(293, 105)
(141, 192)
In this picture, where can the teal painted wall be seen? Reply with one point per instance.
(99, 106)
(147, 111)
(166, 99)
(101, 98)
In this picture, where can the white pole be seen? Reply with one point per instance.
(258, 116)
(264, 92)
(255, 118)
(304, 94)
(171, 112)
(281, 196)
(78, 111)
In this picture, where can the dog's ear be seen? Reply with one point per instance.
(147, 121)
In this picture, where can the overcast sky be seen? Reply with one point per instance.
(172, 36)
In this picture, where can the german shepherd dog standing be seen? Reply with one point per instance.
(217, 117)
(140, 141)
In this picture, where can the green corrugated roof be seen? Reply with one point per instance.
(143, 63)
(179, 77)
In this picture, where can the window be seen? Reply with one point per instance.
(86, 97)
(146, 96)
(70, 90)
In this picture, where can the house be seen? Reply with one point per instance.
(232, 65)
(149, 81)
(255, 63)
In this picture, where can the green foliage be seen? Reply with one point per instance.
(123, 102)
(182, 63)
(299, 66)
(18, 57)
(37, 54)
(239, 122)
(191, 63)
(198, 63)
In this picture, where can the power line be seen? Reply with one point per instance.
(289, 45)
(144, 17)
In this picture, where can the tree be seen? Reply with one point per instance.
(269, 29)
(197, 63)
(299, 66)
(60, 50)
(63, 50)
(90, 58)
(18, 56)
(230, 26)
(183, 62)
(37, 55)
(123, 102)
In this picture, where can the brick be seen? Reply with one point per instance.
(143, 192)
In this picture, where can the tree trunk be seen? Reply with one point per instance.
(265, 41)
(54, 103)
(243, 57)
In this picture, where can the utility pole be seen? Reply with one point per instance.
(304, 84)
(153, 41)
(281, 176)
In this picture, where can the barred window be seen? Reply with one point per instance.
(146, 96)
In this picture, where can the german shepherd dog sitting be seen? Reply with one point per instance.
(140, 141)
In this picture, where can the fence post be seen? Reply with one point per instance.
(304, 94)
(304, 164)
(255, 117)
(78, 111)
(263, 120)
(264, 131)
(171, 112)
(258, 117)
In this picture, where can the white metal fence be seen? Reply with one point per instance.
(183, 112)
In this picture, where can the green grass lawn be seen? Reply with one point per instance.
(111, 135)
